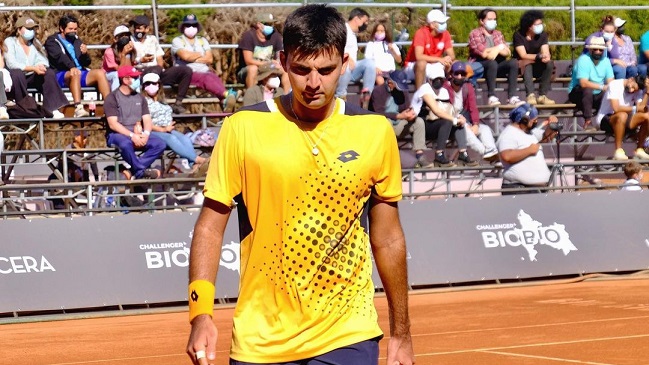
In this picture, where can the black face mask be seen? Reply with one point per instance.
(620, 31)
(71, 37)
(438, 83)
(596, 56)
(362, 28)
(458, 82)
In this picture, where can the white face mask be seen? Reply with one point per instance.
(190, 32)
(273, 82)
(441, 27)
(608, 36)
(538, 29)
(28, 35)
(490, 24)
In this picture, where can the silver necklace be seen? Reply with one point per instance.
(314, 146)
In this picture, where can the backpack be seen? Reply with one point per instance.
(28, 108)
(203, 137)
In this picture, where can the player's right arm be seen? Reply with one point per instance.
(203, 265)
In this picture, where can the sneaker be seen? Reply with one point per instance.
(620, 155)
(490, 154)
(442, 161)
(57, 115)
(531, 99)
(640, 154)
(151, 174)
(424, 163)
(545, 100)
(514, 100)
(493, 100)
(80, 112)
(229, 102)
(3, 113)
(466, 160)
(178, 108)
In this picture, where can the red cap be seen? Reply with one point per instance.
(128, 71)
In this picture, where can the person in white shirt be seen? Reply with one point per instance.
(624, 108)
(386, 55)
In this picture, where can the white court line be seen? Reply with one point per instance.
(125, 358)
(529, 326)
(531, 345)
(545, 358)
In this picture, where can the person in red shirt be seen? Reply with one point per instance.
(431, 44)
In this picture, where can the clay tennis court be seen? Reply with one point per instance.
(599, 322)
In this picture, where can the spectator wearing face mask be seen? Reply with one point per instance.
(192, 50)
(163, 125)
(627, 51)
(613, 48)
(120, 53)
(268, 86)
(488, 49)
(386, 55)
(28, 66)
(258, 46)
(69, 56)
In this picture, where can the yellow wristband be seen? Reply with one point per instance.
(201, 298)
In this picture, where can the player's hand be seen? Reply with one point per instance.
(75, 72)
(202, 338)
(400, 351)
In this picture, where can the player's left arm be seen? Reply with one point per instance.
(389, 249)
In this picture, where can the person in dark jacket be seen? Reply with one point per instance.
(68, 55)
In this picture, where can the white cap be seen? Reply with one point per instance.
(150, 77)
(120, 30)
(619, 22)
(436, 16)
(435, 70)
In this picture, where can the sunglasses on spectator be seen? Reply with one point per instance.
(463, 74)
(597, 50)
(149, 83)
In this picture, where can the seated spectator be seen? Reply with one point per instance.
(190, 49)
(462, 95)
(4, 74)
(163, 123)
(627, 51)
(29, 67)
(356, 70)
(125, 109)
(431, 45)
(385, 54)
(590, 76)
(633, 173)
(607, 31)
(521, 153)
(441, 118)
(487, 47)
(393, 101)
(120, 53)
(533, 54)
(623, 110)
(260, 45)
(268, 85)
(149, 59)
(68, 55)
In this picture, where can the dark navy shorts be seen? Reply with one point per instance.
(362, 353)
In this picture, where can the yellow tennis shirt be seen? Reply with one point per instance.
(306, 264)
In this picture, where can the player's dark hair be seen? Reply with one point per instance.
(528, 18)
(641, 79)
(63, 22)
(313, 30)
(358, 12)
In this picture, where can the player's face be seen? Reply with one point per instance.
(314, 79)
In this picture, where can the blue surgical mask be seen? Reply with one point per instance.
(490, 24)
(28, 35)
(441, 27)
(538, 29)
(268, 30)
(135, 85)
(608, 36)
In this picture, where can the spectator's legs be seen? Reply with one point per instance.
(478, 72)
(178, 143)
(473, 142)
(420, 73)
(53, 96)
(510, 69)
(583, 98)
(343, 82)
(113, 80)
(366, 70)
(126, 148)
(490, 72)
(251, 76)
(642, 69)
(19, 89)
(640, 120)
(74, 84)
(418, 129)
(97, 77)
(152, 150)
(546, 77)
(528, 79)
(618, 123)
(460, 137)
(180, 75)
(210, 82)
(619, 72)
(440, 130)
(486, 136)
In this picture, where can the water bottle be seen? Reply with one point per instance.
(92, 108)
